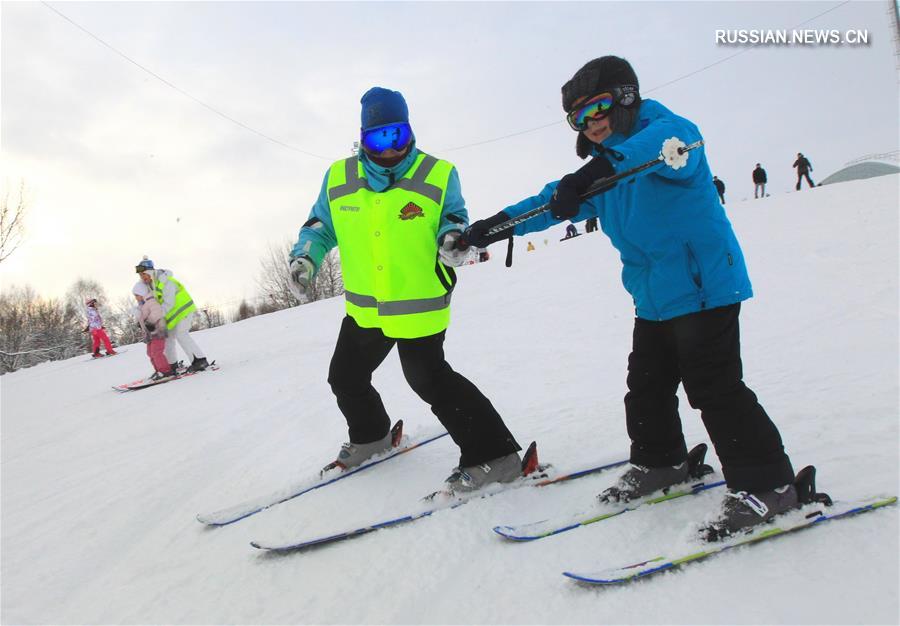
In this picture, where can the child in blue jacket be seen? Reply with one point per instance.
(684, 268)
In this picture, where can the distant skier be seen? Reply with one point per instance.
(96, 329)
(178, 307)
(720, 188)
(153, 324)
(759, 182)
(590, 225)
(684, 268)
(393, 211)
(804, 167)
(571, 231)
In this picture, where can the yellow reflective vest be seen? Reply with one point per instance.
(184, 304)
(393, 279)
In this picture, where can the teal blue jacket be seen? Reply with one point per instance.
(317, 235)
(679, 252)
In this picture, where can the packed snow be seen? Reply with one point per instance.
(100, 490)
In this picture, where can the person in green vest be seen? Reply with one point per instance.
(395, 214)
(178, 309)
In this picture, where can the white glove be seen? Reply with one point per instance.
(448, 252)
(302, 270)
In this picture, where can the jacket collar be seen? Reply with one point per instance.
(380, 178)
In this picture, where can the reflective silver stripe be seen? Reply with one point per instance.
(360, 300)
(406, 307)
(173, 314)
(417, 182)
(400, 307)
(353, 182)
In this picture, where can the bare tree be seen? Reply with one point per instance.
(81, 290)
(122, 322)
(207, 317)
(329, 281)
(274, 278)
(12, 221)
(244, 311)
(33, 330)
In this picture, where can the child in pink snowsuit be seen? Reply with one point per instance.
(152, 321)
(95, 325)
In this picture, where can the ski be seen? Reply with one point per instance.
(438, 501)
(601, 512)
(251, 507)
(144, 383)
(694, 484)
(809, 516)
(103, 356)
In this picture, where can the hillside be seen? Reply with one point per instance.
(100, 490)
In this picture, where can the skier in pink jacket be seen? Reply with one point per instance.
(95, 326)
(152, 320)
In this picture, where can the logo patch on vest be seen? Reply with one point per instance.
(345, 207)
(411, 211)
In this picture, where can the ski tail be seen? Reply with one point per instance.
(805, 484)
(696, 467)
(396, 433)
(530, 460)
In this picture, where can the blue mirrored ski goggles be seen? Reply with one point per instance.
(396, 136)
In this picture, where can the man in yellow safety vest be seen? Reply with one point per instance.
(395, 214)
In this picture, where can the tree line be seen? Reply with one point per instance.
(34, 329)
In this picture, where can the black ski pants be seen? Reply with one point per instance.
(465, 412)
(800, 176)
(701, 351)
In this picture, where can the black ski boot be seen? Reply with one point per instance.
(639, 481)
(742, 511)
(198, 365)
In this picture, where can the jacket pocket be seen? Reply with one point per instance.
(693, 266)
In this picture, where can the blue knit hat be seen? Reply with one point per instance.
(382, 106)
(145, 264)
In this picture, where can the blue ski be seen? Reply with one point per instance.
(695, 484)
(810, 516)
(550, 527)
(431, 505)
(251, 507)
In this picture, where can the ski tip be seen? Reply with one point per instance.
(208, 521)
(579, 577)
(508, 532)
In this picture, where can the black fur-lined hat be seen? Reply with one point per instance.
(594, 77)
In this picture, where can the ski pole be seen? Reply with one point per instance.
(673, 153)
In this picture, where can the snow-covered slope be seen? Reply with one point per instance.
(100, 490)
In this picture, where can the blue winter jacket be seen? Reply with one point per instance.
(317, 236)
(678, 250)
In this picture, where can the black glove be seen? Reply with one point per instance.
(476, 234)
(566, 198)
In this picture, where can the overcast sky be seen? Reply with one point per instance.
(120, 163)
